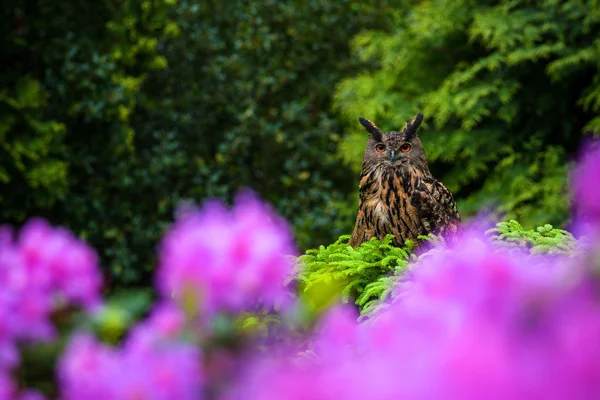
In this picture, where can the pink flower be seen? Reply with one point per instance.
(44, 269)
(7, 386)
(31, 395)
(472, 322)
(86, 370)
(585, 184)
(149, 365)
(227, 260)
(337, 332)
(59, 262)
(166, 320)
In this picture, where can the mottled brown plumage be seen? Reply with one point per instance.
(398, 194)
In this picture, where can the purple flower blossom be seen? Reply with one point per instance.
(86, 370)
(149, 365)
(31, 395)
(472, 322)
(59, 262)
(469, 321)
(44, 269)
(585, 184)
(166, 320)
(7, 386)
(227, 260)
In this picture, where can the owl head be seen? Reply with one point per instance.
(395, 149)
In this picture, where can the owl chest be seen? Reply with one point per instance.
(388, 207)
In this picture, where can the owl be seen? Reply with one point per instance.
(398, 194)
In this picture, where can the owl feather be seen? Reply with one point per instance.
(397, 193)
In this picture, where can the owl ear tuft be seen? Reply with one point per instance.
(371, 128)
(411, 126)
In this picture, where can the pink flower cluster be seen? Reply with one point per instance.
(44, 269)
(227, 260)
(586, 184)
(151, 364)
(470, 323)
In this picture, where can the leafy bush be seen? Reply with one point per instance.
(136, 106)
(543, 240)
(152, 103)
(508, 88)
(361, 275)
(367, 275)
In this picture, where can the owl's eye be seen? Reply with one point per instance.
(405, 148)
(380, 147)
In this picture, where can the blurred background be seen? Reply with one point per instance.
(113, 111)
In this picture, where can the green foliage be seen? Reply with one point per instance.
(542, 240)
(29, 147)
(133, 106)
(359, 274)
(368, 274)
(506, 87)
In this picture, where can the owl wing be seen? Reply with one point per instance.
(436, 207)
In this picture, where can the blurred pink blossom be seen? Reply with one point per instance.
(149, 365)
(585, 184)
(45, 268)
(41, 270)
(227, 260)
(472, 322)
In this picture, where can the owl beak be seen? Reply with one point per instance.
(393, 155)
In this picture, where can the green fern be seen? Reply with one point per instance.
(543, 240)
(368, 274)
(356, 274)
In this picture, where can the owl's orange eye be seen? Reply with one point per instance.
(405, 148)
(380, 147)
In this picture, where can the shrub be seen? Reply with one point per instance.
(135, 106)
(366, 275)
(509, 88)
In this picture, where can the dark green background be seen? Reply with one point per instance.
(111, 112)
